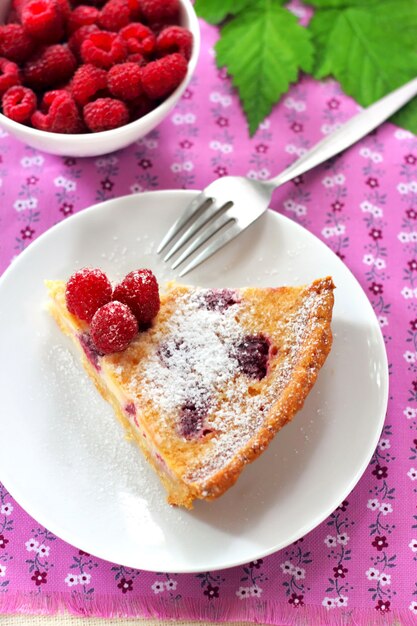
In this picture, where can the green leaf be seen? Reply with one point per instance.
(321, 27)
(370, 54)
(215, 11)
(263, 49)
(407, 117)
(380, 43)
(401, 17)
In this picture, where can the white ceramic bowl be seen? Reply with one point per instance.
(94, 144)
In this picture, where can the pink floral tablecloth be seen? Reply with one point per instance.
(360, 565)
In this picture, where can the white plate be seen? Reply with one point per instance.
(64, 456)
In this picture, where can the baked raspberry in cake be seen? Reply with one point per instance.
(207, 386)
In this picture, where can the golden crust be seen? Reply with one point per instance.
(271, 311)
(311, 357)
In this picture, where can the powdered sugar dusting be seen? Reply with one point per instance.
(192, 362)
(198, 348)
(241, 414)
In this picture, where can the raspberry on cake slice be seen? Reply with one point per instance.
(205, 386)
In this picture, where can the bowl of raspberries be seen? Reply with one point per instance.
(87, 77)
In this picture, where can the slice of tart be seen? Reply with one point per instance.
(205, 389)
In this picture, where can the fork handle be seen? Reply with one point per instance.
(348, 134)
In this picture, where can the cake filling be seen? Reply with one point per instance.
(191, 420)
(219, 299)
(252, 356)
(90, 350)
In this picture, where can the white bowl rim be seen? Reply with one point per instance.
(84, 138)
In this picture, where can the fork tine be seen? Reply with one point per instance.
(184, 218)
(208, 213)
(207, 233)
(213, 247)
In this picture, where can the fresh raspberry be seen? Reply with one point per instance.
(139, 290)
(65, 8)
(113, 327)
(9, 75)
(51, 66)
(134, 8)
(86, 291)
(103, 49)
(137, 58)
(15, 44)
(105, 114)
(161, 77)
(82, 16)
(19, 103)
(88, 81)
(77, 38)
(174, 39)
(139, 107)
(59, 114)
(43, 20)
(18, 6)
(125, 81)
(114, 15)
(139, 38)
(94, 3)
(160, 11)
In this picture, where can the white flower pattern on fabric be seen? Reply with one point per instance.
(409, 356)
(171, 585)
(299, 573)
(71, 580)
(373, 504)
(329, 603)
(412, 473)
(384, 579)
(255, 591)
(368, 259)
(343, 539)
(385, 508)
(287, 567)
(6, 509)
(32, 545)
(384, 444)
(413, 545)
(407, 293)
(158, 587)
(330, 541)
(43, 550)
(243, 593)
(372, 573)
(84, 578)
(328, 182)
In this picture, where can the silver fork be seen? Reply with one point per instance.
(230, 204)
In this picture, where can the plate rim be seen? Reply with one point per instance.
(307, 527)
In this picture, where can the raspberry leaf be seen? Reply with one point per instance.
(263, 48)
(369, 61)
(215, 11)
(321, 27)
(369, 52)
(407, 116)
